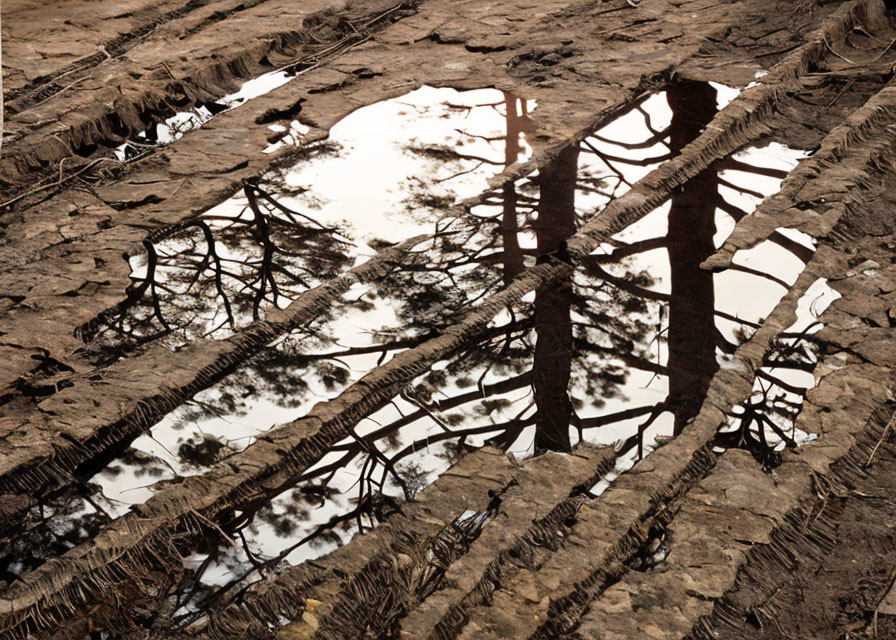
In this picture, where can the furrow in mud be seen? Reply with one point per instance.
(730, 518)
(608, 532)
(863, 139)
(402, 543)
(612, 529)
(37, 90)
(816, 565)
(133, 542)
(835, 558)
(470, 484)
(747, 118)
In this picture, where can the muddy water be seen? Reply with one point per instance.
(621, 352)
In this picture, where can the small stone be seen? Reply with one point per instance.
(526, 586)
(404, 560)
(864, 267)
(311, 621)
(550, 60)
(311, 605)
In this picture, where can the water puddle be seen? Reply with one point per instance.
(765, 424)
(620, 352)
(175, 127)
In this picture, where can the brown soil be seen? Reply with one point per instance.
(755, 544)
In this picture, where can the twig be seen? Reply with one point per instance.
(52, 184)
(883, 53)
(827, 44)
(842, 91)
(879, 442)
(53, 95)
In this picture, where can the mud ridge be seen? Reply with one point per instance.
(287, 451)
(368, 566)
(657, 481)
(565, 613)
(808, 535)
(739, 508)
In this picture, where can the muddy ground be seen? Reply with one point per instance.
(467, 319)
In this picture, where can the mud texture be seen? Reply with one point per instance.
(695, 541)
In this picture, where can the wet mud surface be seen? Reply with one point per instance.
(448, 321)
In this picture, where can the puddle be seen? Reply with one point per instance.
(765, 424)
(621, 352)
(653, 552)
(219, 274)
(175, 127)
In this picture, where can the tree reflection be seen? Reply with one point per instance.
(765, 423)
(214, 273)
(552, 360)
(691, 310)
(546, 367)
(56, 525)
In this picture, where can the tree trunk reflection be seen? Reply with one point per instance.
(691, 337)
(553, 326)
